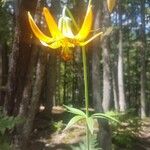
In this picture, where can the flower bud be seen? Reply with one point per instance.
(111, 4)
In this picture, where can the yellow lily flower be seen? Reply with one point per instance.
(61, 34)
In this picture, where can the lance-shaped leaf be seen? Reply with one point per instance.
(75, 111)
(90, 123)
(73, 121)
(104, 116)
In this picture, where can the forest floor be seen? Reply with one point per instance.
(50, 136)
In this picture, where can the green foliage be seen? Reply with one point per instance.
(124, 133)
(90, 124)
(75, 111)
(7, 123)
(74, 120)
(58, 125)
(4, 146)
(82, 145)
(5, 23)
(80, 115)
(109, 116)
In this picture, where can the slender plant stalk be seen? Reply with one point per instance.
(86, 93)
(90, 1)
(85, 79)
(72, 18)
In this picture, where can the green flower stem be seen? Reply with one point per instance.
(90, 1)
(85, 81)
(86, 93)
(85, 78)
(72, 18)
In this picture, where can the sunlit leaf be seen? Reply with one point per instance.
(75, 111)
(90, 123)
(73, 121)
(105, 116)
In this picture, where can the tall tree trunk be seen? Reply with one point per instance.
(143, 67)
(28, 125)
(80, 83)
(58, 97)
(107, 85)
(12, 71)
(122, 102)
(12, 77)
(115, 83)
(105, 133)
(64, 83)
(50, 83)
(23, 109)
(19, 59)
(4, 71)
(24, 48)
(128, 95)
(79, 8)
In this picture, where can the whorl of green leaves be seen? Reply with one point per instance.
(90, 120)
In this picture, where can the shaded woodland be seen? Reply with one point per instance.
(35, 80)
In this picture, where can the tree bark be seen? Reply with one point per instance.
(20, 57)
(115, 84)
(107, 85)
(50, 83)
(27, 92)
(105, 133)
(4, 71)
(28, 125)
(12, 77)
(143, 65)
(122, 102)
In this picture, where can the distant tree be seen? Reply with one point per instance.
(122, 101)
(143, 59)
(104, 133)
(107, 84)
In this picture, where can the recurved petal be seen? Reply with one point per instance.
(91, 39)
(86, 26)
(37, 32)
(52, 25)
(54, 45)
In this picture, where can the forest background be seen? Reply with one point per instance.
(32, 75)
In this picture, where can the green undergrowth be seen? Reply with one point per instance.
(124, 134)
(93, 144)
(7, 124)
